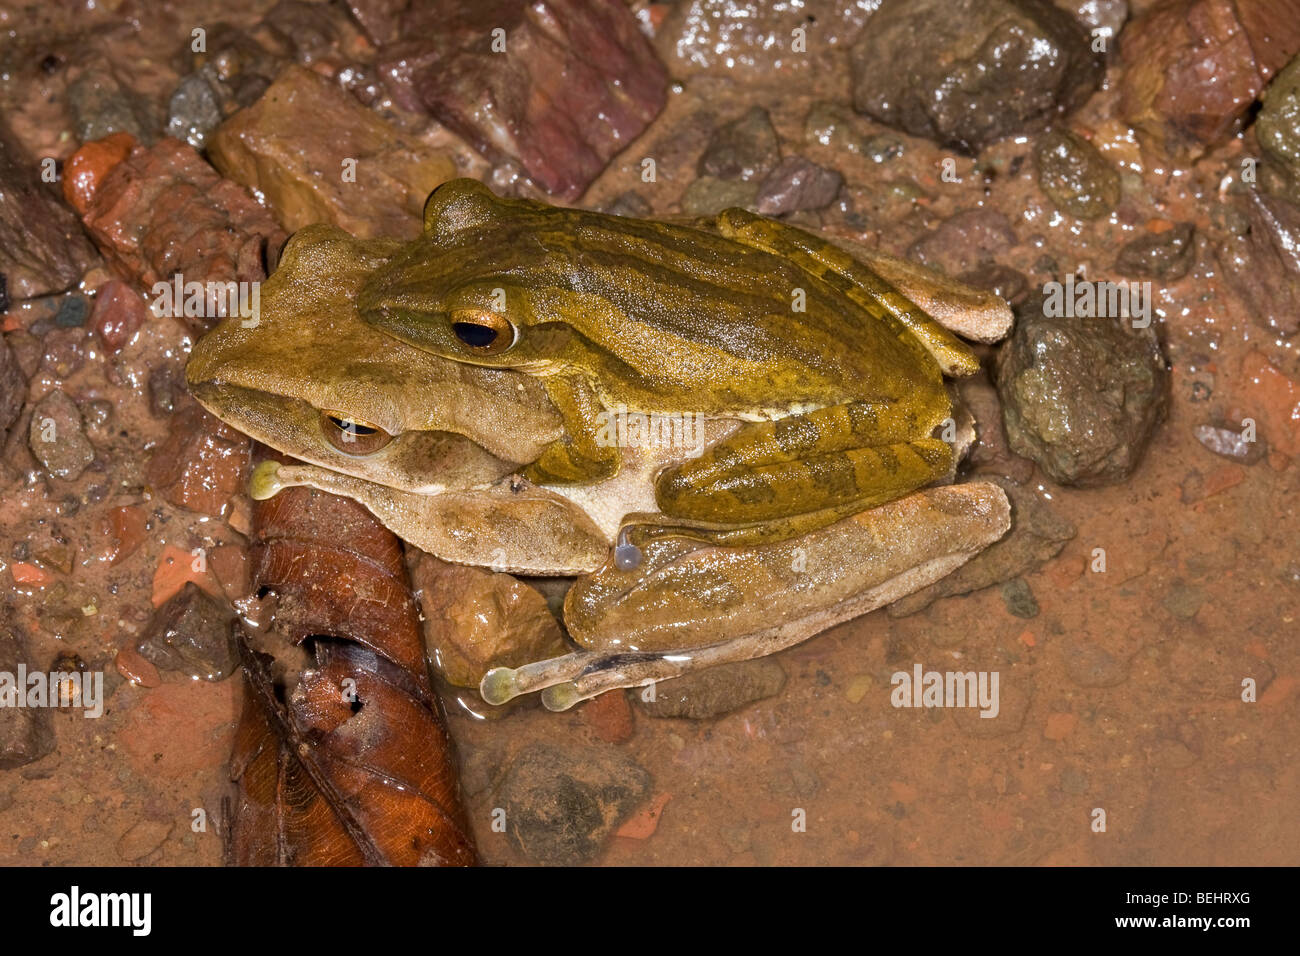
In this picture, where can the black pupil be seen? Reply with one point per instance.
(352, 427)
(473, 334)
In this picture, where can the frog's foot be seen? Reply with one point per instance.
(265, 482)
(573, 678)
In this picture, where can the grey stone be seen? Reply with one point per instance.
(562, 804)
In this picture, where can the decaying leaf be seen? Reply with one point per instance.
(342, 756)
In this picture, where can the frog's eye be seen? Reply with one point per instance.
(351, 435)
(485, 332)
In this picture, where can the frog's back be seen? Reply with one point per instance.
(688, 312)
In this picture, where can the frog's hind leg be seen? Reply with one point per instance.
(860, 283)
(694, 605)
(857, 453)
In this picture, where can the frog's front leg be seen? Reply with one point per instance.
(863, 453)
(581, 456)
(691, 605)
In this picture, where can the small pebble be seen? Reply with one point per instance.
(1019, 599)
(797, 184)
(72, 313)
(57, 437)
(1230, 444)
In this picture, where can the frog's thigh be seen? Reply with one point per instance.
(862, 284)
(847, 454)
(579, 457)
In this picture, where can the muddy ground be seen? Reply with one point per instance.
(1121, 676)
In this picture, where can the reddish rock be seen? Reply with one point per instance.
(123, 530)
(86, 168)
(136, 669)
(177, 568)
(1194, 67)
(202, 464)
(163, 211)
(610, 716)
(577, 81)
(119, 312)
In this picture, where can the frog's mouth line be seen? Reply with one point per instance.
(408, 463)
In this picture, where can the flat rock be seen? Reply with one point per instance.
(575, 83)
(296, 144)
(562, 804)
(42, 246)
